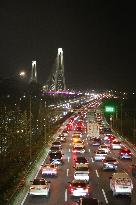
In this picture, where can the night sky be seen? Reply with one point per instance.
(98, 39)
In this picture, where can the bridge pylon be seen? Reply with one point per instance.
(56, 80)
(33, 72)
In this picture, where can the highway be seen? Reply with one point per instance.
(99, 179)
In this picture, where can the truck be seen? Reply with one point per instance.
(121, 184)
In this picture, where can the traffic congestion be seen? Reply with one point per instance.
(87, 163)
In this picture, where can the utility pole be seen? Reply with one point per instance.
(45, 122)
(121, 118)
(30, 129)
(134, 129)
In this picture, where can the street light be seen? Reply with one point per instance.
(22, 74)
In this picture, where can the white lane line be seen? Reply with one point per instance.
(67, 172)
(89, 150)
(68, 159)
(105, 197)
(69, 150)
(92, 160)
(66, 195)
(97, 173)
(24, 199)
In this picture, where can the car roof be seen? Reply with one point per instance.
(120, 175)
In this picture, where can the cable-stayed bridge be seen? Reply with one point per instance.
(56, 79)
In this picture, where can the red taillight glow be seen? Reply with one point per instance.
(71, 189)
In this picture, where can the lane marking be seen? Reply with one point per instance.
(97, 173)
(89, 150)
(68, 159)
(66, 195)
(69, 150)
(92, 160)
(105, 197)
(67, 172)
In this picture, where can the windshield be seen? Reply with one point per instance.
(38, 182)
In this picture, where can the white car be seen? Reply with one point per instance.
(121, 184)
(49, 169)
(81, 173)
(100, 155)
(79, 188)
(104, 147)
(40, 187)
(116, 145)
(78, 150)
(110, 163)
(57, 144)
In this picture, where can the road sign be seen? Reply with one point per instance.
(109, 109)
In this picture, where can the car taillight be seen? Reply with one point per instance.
(121, 153)
(86, 189)
(130, 153)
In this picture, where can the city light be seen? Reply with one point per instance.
(22, 74)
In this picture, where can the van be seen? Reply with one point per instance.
(121, 184)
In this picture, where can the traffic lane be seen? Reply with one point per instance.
(96, 190)
(57, 193)
(104, 177)
(58, 184)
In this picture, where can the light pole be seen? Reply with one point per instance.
(30, 129)
(45, 123)
(121, 118)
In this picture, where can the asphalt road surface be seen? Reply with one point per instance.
(99, 179)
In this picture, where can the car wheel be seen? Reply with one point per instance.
(47, 196)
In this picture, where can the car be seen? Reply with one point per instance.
(110, 163)
(104, 147)
(109, 138)
(61, 138)
(69, 127)
(78, 150)
(55, 149)
(65, 133)
(75, 138)
(81, 173)
(96, 142)
(116, 145)
(81, 160)
(78, 188)
(125, 153)
(40, 187)
(99, 155)
(56, 144)
(77, 133)
(87, 201)
(134, 170)
(121, 184)
(79, 143)
(49, 170)
(56, 158)
(106, 131)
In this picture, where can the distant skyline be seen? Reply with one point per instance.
(98, 39)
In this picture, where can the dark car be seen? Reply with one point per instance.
(56, 158)
(87, 201)
(81, 161)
